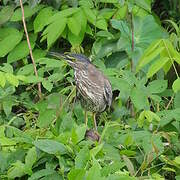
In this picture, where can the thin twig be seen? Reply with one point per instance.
(169, 103)
(30, 49)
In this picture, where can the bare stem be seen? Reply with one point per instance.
(132, 65)
(30, 49)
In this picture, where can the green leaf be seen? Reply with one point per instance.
(96, 149)
(28, 12)
(89, 14)
(2, 79)
(176, 85)
(177, 100)
(46, 117)
(17, 170)
(41, 173)
(25, 70)
(177, 160)
(7, 106)
(94, 172)
(144, 4)
(101, 23)
(139, 99)
(54, 30)
(77, 39)
(8, 42)
(51, 63)
(78, 134)
(50, 146)
(62, 14)
(156, 66)
(30, 158)
(20, 51)
(76, 174)
(47, 85)
(82, 158)
(5, 14)
(73, 25)
(157, 86)
(42, 18)
(12, 79)
(149, 55)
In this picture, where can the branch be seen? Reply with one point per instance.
(132, 64)
(30, 49)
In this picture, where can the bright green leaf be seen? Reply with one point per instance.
(176, 85)
(12, 79)
(74, 27)
(42, 18)
(156, 66)
(2, 79)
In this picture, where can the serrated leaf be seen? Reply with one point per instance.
(12, 79)
(42, 18)
(47, 85)
(176, 85)
(156, 66)
(50, 146)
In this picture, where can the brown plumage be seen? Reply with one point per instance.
(93, 88)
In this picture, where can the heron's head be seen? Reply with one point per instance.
(75, 60)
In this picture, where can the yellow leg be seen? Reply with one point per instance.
(86, 118)
(94, 121)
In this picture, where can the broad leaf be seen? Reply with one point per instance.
(82, 158)
(50, 146)
(176, 85)
(42, 18)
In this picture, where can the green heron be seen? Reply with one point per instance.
(93, 88)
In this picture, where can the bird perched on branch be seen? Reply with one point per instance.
(93, 88)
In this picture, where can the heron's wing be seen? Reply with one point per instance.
(108, 92)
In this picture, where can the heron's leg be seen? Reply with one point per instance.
(86, 118)
(94, 121)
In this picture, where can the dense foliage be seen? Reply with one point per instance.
(136, 43)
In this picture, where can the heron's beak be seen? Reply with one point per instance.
(65, 57)
(57, 55)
